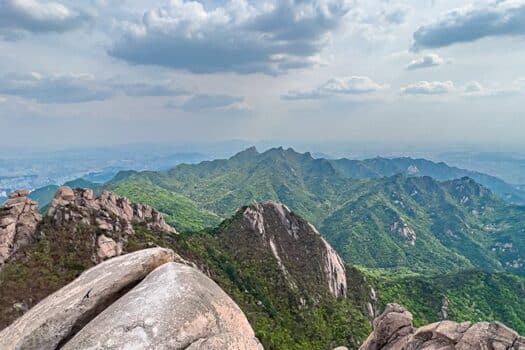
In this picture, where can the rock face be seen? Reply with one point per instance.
(174, 307)
(393, 330)
(142, 300)
(59, 316)
(109, 212)
(19, 218)
(300, 252)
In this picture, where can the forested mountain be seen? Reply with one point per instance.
(393, 222)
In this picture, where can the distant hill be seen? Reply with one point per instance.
(380, 167)
(401, 221)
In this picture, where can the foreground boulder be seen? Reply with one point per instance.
(59, 316)
(19, 218)
(174, 307)
(110, 213)
(393, 329)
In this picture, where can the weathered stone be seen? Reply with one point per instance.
(107, 248)
(393, 330)
(19, 219)
(174, 307)
(109, 213)
(56, 318)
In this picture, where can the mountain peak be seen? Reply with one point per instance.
(273, 232)
(247, 153)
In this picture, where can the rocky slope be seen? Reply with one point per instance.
(142, 300)
(270, 231)
(19, 218)
(111, 214)
(393, 329)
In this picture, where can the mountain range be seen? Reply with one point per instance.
(262, 226)
(417, 223)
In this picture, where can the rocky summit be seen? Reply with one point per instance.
(296, 246)
(394, 329)
(19, 218)
(142, 300)
(110, 213)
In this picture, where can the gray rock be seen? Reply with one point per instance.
(110, 213)
(393, 330)
(174, 307)
(59, 316)
(19, 219)
(290, 238)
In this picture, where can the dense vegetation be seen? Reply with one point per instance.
(471, 296)
(456, 224)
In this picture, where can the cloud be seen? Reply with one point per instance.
(429, 88)
(239, 36)
(20, 16)
(68, 88)
(150, 89)
(497, 18)
(476, 89)
(353, 85)
(427, 61)
(202, 102)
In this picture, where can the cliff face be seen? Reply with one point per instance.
(306, 261)
(19, 218)
(393, 329)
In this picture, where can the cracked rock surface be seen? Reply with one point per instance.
(393, 330)
(19, 219)
(174, 307)
(109, 212)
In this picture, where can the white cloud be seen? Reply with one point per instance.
(62, 88)
(354, 85)
(476, 89)
(212, 102)
(429, 88)
(474, 22)
(239, 36)
(20, 16)
(427, 61)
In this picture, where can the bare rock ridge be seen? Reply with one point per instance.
(292, 241)
(143, 300)
(393, 330)
(19, 218)
(111, 213)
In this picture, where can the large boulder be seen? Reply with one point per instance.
(59, 316)
(19, 219)
(110, 213)
(393, 330)
(174, 307)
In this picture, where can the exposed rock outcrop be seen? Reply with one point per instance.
(62, 314)
(301, 253)
(174, 307)
(19, 218)
(393, 329)
(142, 300)
(109, 212)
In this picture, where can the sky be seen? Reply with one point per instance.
(413, 72)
